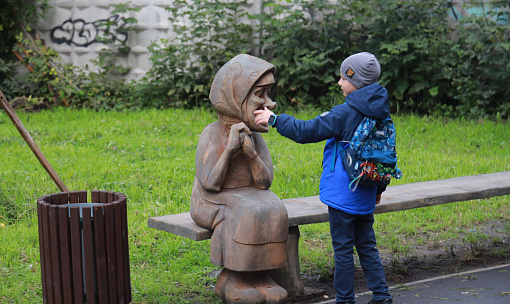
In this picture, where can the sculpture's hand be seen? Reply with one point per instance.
(248, 146)
(235, 138)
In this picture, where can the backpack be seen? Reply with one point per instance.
(370, 158)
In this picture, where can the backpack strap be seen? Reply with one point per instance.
(333, 156)
(336, 146)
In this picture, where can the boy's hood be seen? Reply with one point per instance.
(371, 101)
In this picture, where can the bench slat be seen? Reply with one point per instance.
(180, 224)
(310, 210)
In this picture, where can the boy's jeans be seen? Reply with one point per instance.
(347, 231)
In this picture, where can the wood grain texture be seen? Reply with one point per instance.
(84, 254)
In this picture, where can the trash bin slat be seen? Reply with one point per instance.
(47, 252)
(40, 215)
(76, 254)
(94, 196)
(119, 256)
(110, 251)
(74, 197)
(55, 253)
(110, 197)
(82, 196)
(103, 197)
(88, 252)
(125, 248)
(99, 244)
(63, 198)
(65, 253)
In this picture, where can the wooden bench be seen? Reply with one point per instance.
(310, 210)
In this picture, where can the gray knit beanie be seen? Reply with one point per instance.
(361, 69)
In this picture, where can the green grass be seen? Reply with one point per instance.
(150, 155)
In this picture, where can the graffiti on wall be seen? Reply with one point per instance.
(81, 33)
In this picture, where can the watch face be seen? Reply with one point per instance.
(272, 119)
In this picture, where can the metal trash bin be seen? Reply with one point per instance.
(84, 247)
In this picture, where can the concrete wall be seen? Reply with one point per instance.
(71, 28)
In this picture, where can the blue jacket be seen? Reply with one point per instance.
(339, 124)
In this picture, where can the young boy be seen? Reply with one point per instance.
(350, 213)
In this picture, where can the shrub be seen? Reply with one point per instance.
(478, 65)
(408, 38)
(208, 34)
(423, 68)
(8, 84)
(306, 42)
(15, 16)
(57, 83)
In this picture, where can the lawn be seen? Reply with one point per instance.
(149, 156)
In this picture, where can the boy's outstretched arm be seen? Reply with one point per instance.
(262, 116)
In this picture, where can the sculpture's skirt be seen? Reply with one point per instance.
(250, 227)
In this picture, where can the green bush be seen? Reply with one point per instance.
(408, 37)
(15, 16)
(425, 70)
(8, 84)
(183, 67)
(54, 82)
(478, 65)
(301, 46)
(57, 83)
(306, 42)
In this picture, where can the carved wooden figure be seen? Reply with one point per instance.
(230, 192)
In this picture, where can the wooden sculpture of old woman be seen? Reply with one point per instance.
(230, 193)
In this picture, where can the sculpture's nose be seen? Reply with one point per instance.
(271, 105)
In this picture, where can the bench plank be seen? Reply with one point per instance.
(310, 210)
(180, 224)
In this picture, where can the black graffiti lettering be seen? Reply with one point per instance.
(63, 34)
(112, 29)
(81, 33)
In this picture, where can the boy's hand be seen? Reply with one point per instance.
(378, 199)
(262, 116)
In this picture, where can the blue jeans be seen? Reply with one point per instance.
(347, 231)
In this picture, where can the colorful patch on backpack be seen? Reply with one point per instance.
(350, 72)
(371, 156)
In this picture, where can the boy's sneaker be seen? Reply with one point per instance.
(386, 301)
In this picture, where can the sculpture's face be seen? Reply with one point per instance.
(257, 99)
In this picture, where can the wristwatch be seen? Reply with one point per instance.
(272, 119)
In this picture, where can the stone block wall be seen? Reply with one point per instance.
(71, 28)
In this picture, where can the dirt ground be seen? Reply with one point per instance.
(427, 261)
